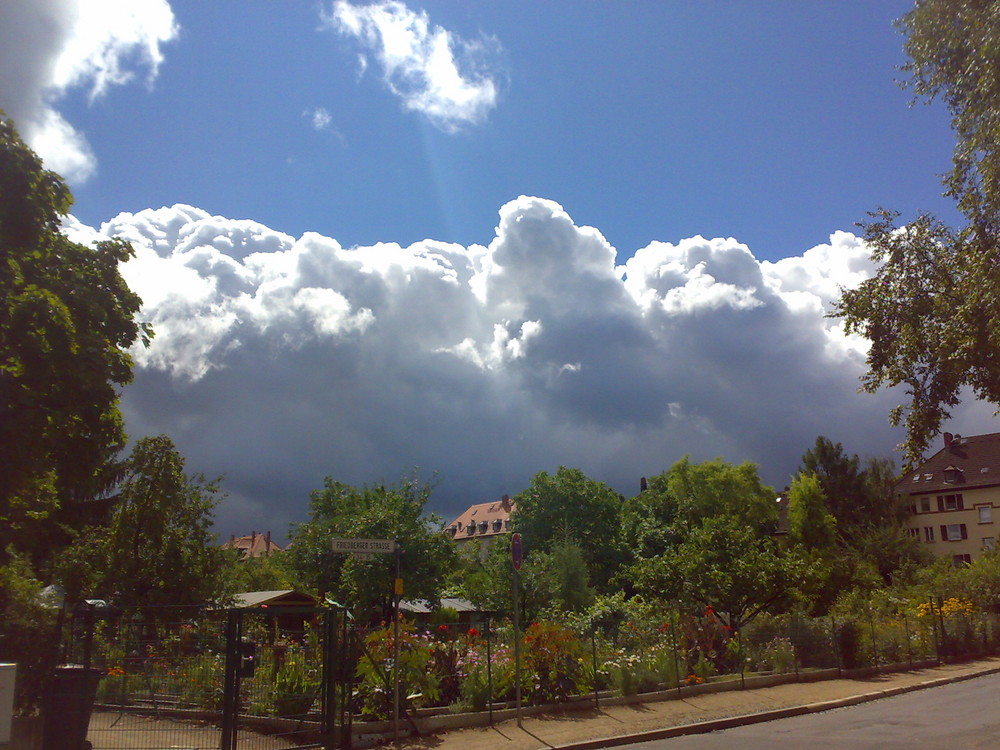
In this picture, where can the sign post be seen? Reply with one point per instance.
(365, 550)
(516, 558)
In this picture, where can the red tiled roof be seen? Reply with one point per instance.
(964, 463)
(253, 545)
(486, 519)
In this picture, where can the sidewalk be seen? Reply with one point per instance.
(583, 729)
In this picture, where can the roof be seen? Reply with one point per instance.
(422, 606)
(495, 516)
(964, 463)
(283, 598)
(253, 545)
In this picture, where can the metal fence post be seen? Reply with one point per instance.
(231, 686)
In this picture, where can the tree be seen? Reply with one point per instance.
(860, 495)
(810, 524)
(158, 549)
(687, 494)
(66, 323)
(371, 512)
(931, 310)
(728, 566)
(570, 499)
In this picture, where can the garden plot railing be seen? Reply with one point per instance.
(263, 678)
(250, 678)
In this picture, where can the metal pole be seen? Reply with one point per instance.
(517, 649)
(593, 651)
(395, 652)
(489, 671)
(937, 647)
(673, 640)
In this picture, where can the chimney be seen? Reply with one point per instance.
(643, 486)
(947, 439)
(505, 503)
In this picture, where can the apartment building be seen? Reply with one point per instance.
(954, 497)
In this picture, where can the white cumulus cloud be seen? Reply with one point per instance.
(279, 360)
(433, 71)
(48, 47)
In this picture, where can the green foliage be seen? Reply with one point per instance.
(687, 494)
(66, 323)
(809, 522)
(158, 548)
(416, 678)
(27, 630)
(569, 499)
(932, 312)
(371, 512)
(563, 574)
(553, 658)
(779, 656)
(725, 565)
(266, 573)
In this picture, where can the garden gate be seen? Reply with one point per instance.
(287, 676)
(238, 679)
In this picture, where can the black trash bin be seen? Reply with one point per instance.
(67, 705)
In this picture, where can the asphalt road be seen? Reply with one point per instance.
(960, 716)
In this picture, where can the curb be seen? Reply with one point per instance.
(713, 725)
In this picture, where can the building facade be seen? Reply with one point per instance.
(954, 497)
(485, 521)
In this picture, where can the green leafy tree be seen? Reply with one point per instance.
(158, 549)
(371, 512)
(570, 499)
(552, 582)
(66, 323)
(266, 573)
(932, 311)
(689, 493)
(728, 566)
(860, 495)
(810, 524)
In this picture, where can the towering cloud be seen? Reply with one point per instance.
(278, 360)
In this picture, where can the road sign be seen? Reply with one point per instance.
(369, 546)
(363, 556)
(516, 554)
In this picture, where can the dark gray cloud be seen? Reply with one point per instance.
(278, 361)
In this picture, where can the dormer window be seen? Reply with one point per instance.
(483, 526)
(497, 524)
(470, 529)
(952, 474)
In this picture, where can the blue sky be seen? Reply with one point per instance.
(482, 239)
(775, 123)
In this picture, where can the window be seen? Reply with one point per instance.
(985, 513)
(960, 561)
(954, 532)
(989, 542)
(925, 505)
(928, 533)
(913, 532)
(950, 502)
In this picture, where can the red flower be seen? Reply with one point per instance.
(473, 632)
(442, 628)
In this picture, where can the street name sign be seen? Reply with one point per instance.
(364, 546)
